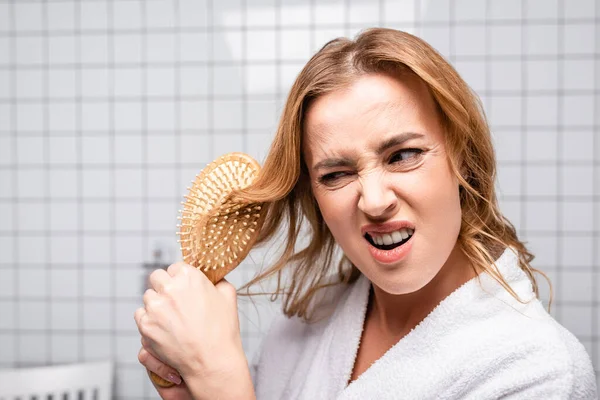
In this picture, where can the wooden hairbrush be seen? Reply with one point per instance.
(216, 233)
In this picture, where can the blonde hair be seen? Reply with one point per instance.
(284, 183)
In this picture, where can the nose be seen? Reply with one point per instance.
(377, 199)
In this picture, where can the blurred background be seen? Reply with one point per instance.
(108, 108)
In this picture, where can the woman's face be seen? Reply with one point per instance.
(380, 174)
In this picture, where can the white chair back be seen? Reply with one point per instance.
(89, 381)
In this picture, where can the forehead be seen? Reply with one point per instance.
(373, 107)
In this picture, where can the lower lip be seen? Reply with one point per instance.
(391, 256)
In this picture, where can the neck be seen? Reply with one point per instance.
(396, 315)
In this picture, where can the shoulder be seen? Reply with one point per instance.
(529, 354)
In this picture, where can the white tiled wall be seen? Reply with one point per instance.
(109, 108)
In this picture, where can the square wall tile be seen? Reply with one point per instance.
(63, 150)
(162, 216)
(61, 16)
(129, 216)
(62, 117)
(31, 217)
(577, 145)
(97, 283)
(542, 145)
(29, 182)
(97, 315)
(577, 319)
(227, 80)
(544, 249)
(97, 347)
(506, 111)
(295, 44)
(26, 243)
(64, 283)
(159, 46)
(32, 348)
(227, 114)
(541, 75)
(65, 315)
(96, 184)
(578, 110)
(129, 249)
(541, 216)
(95, 82)
(542, 110)
(64, 184)
(196, 148)
(33, 283)
(577, 216)
(160, 81)
(194, 115)
(94, 49)
(576, 251)
(576, 286)
(127, 15)
(505, 40)
(505, 10)
(161, 149)
(578, 38)
(262, 114)
(32, 314)
(541, 180)
(65, 347)
(128, 183)
(96, 150)
(541, 39)
(128, 149)
(193, 80)
(577, 181)
(64, 249)
(160, 115)
(162, 183)
(31, 150)
(95, 117)
(506, 75)
(97, 250)
(470, 41)
(97, 216)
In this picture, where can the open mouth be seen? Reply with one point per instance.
(391, 240)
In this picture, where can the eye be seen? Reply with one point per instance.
(332, 177)
(405, 155)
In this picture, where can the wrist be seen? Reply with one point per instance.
(231, 380)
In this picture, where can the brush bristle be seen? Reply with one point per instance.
(209, 219)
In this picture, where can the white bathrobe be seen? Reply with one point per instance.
(476, 344)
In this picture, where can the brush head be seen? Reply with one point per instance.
(216, 232)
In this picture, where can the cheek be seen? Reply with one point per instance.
(336, 208)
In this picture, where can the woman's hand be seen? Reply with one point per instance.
(192, 325)
(178, 392)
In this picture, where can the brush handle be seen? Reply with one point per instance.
(158, 381)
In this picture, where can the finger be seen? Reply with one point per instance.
(158, 367)
(175, 268)
(227, 290)
(159, 279)
(150, 295)
(138, 315)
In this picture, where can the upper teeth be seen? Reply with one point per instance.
(392, 237)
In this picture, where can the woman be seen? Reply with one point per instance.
(385, 151)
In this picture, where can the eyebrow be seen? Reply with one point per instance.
(388, 143)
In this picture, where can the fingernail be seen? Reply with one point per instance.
(174, 378)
